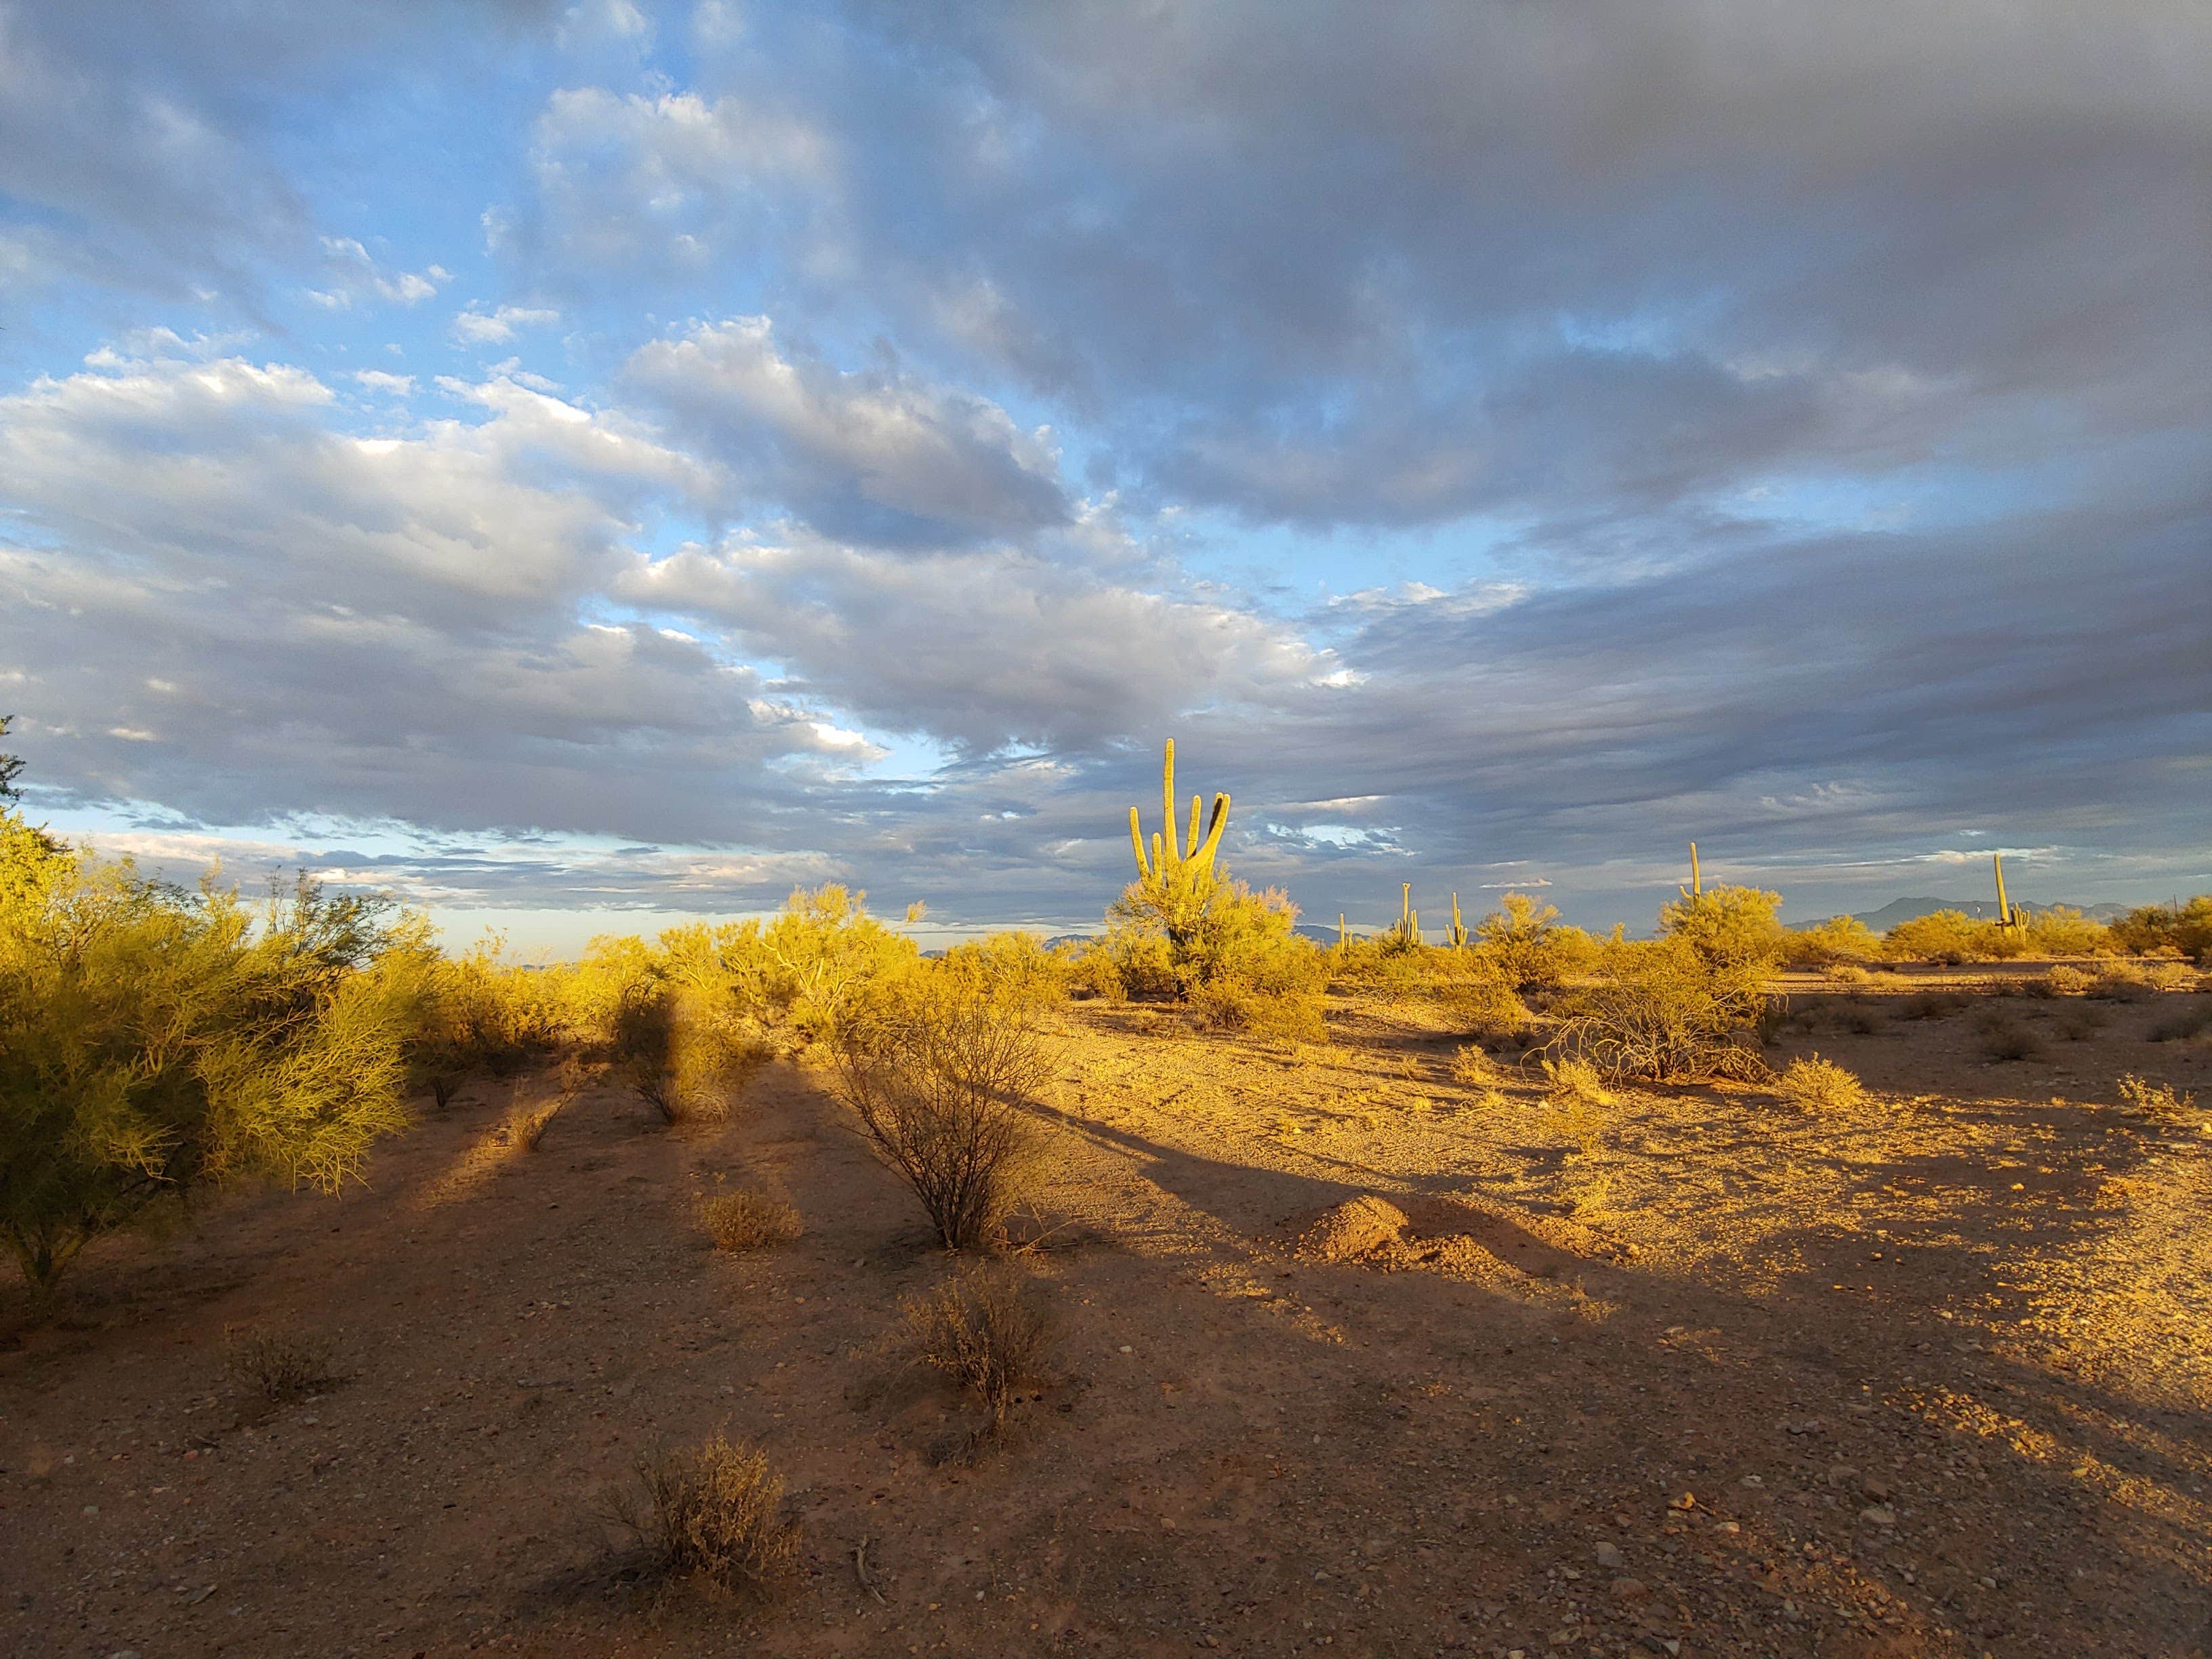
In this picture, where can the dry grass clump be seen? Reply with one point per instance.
(2147, 1099)
(1471, 1069)
(2182, 1026)
(279, 1366)
(1814, 1084)
(943, 1087)
(2004, 1039)
(2123, 982)
(986, 1331)
(1573, 1082)
(2080, 1024)
(1858, 1019)
(714, 1512)
(1931, 1005)
(2063, 981)
(744, 1219)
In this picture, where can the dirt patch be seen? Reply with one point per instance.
(1934, 1371)
(1345, 1232)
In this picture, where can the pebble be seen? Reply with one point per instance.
(1687, 1501)
(1629, 1590)
(1876, 1487)
(1880, 1515)
(1607, 1556)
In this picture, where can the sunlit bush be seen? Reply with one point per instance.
(1839, 940)
(2182, 929)
(1727, 926)
(153, 1041)
(1663, 1010)
(1948, 936)
(1235, 933)
(1530, 946)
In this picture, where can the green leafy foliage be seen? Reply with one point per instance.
(153, 1041)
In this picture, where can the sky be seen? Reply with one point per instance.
(583, 466)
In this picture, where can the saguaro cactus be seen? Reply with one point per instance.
(1696, 890)
(2007, 918)
(1177, 881)
(1458, 934)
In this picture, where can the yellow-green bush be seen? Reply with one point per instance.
(1948, 936)
(1530, 948)
(1727, 926)
(2183, 929)
(1839, 941)
(1011, 967)
(152, 1042)
(1664, 1011)
(1235, 933)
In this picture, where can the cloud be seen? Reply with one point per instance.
(875, 455)
(353, 276)
(979, 650)
(477, 326)
(379, 625)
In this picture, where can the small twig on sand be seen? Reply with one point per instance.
(860, 1567)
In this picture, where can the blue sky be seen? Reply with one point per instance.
(578, 466)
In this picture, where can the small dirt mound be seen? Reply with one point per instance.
(1358, 1226)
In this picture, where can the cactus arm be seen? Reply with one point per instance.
(1219, 822)
(1159, 860)
(1191, 846)
(1168, 805)
(1137, 845)
(1697, 880)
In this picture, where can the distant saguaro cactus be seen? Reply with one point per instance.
(1176, 882)
(1458, 933)
(1696, 890)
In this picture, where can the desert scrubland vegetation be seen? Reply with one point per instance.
(1194, 1286)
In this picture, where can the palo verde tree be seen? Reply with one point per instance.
(155, 1041)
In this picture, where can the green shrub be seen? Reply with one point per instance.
(683, 1051)
(1231, 1005)
(1839, 940)
(1949, 936)
(2181, 929)
(1529, 948)
(1235, 933)
(1729, 926)
(152, 1042)
(2062, 931)
(1011, 968)
(1663, 1010)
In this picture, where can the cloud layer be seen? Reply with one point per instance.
(1499, 443)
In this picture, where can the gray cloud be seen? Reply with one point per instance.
(871, 455)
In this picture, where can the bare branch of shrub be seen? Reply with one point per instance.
(715, 1511)
(942, 1089)
(985, 1330)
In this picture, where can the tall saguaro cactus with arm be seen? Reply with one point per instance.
(1174, 881)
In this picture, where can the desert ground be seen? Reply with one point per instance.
(1700, 1374)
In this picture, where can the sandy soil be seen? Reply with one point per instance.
(1706, 1377)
